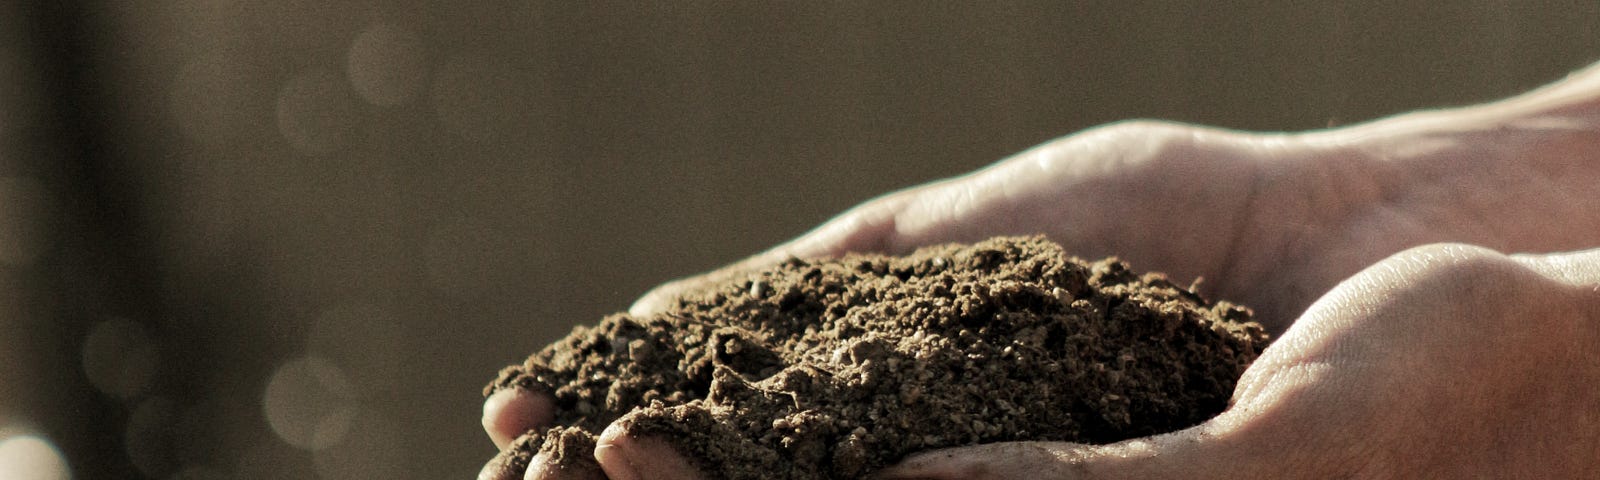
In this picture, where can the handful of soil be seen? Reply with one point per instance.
(834, 368)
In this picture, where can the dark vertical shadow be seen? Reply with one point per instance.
(102, 264)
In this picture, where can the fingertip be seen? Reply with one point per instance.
(652, 302)
(919, 466)
(609, 452)
(1000, 460)
(624, 456)
(542, 467)
(538, 468)
(613, 433)
(896, 472)
(511, 412)
(506, 465)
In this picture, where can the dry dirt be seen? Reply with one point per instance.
(833, 368)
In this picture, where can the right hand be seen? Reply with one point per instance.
(1272, 221)
(1442, 361)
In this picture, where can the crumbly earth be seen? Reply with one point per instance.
(834, 368)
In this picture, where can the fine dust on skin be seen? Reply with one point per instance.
(835, 368)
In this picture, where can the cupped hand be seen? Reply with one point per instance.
(1443, 361)
(1273, 221)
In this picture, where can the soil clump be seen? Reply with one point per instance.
(826, 369)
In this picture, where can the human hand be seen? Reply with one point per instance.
(1443, 361)
(1269, 220)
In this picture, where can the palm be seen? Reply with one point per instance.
(1270, 221)
(1434, 352)
(1402, 351)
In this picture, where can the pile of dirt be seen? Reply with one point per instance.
(834, 368)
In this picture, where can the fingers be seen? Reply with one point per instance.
(1101, 192)
(993, 461)
(510, 463)
(504, 466)
(1056, 460)
(520, 463)
(1210, 450)
(511, 412)
(625, 457)
(542, 467)
(620, 456)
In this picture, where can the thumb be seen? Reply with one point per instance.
(995, 461)
(1192, 453)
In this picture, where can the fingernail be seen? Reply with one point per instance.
(616, 463)
(538, 466)
(511, 412)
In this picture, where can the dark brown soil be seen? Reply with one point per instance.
(835, 368)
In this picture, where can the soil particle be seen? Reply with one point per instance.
(834, 368)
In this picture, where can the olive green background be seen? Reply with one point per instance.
(292, 239)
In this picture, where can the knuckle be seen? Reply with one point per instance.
(1471, 275)
(1154, 134)
(1143, 127)
(1457, 260)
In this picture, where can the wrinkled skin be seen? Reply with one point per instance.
(1410, 346)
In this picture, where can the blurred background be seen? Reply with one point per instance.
(293, 238)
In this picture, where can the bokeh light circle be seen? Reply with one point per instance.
(309, 403)
(386, 65)
(25, 456)
(149, 437)
(119, 357)
(368, 451)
